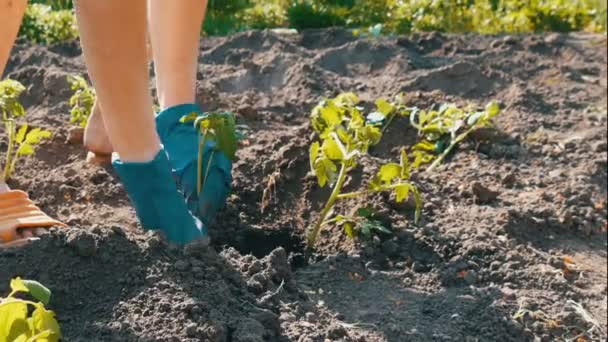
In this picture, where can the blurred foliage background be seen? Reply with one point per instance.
(49, 21)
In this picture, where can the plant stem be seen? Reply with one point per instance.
(208, 167)
(10, 128)
(312, 237)
(447, 151)
(199, 176)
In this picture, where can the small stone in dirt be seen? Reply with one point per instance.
(600, 146)
(83, 243)
(390, 248)
(249, 330)
(246, 110)
(311, 317)
(268, 319)
(118, 230)
(191, 329)
(279, 264)
(181, 265)
(75, 136)
(509, 180)
(483, 194)
(214, 332)
(336, 332)
(419, 267)
(257, 283)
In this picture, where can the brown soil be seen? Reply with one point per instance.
(498, 219)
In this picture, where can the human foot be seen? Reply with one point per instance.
(158, 204)
(96, 139)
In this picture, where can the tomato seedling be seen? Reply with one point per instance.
(20, 142)
(443, 129)
(219, 128)
(345, 136)
(82, 100)
(19, 323)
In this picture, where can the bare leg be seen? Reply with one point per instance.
(115, 52)
(11, 12)
(175, 32)
(113, 38)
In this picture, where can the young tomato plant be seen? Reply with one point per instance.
(386, 111)
(82, 100)
(20, 142)
(345, 137)
(19, 323)
(442, 130)
(219, 128)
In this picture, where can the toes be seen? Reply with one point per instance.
(98, 159)
(27, 233)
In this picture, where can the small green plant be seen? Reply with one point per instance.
(219, 128)
(443, 129)
(82, 101)
(21, 142)
(44, 25)
(345, 136)
(17, 320)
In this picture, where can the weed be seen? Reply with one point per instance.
(82, 100)
(346, 136)
(20, 142)
(16, 322)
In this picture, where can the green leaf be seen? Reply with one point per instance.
(44, 320)
(368, 226)
(349, 229)
(375, 118)
(365, 212)
(347, 99)
(331, 115)
(388, 172)
(18, 285)
(25, 150)
(405, 165)
(424, 145)
(188, 118)
(492, 109)
(38, 291)
(402, 192)
(384, 107)
(21, 134)
(371, 134)
(474, 118)
(36, 135)
(13, 321)
(331, 149)
(422, 157)
(314, 154)
(325, 170)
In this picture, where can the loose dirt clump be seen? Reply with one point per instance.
(511, 246)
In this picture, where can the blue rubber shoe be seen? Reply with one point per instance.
(158, 203)
(181, 140)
